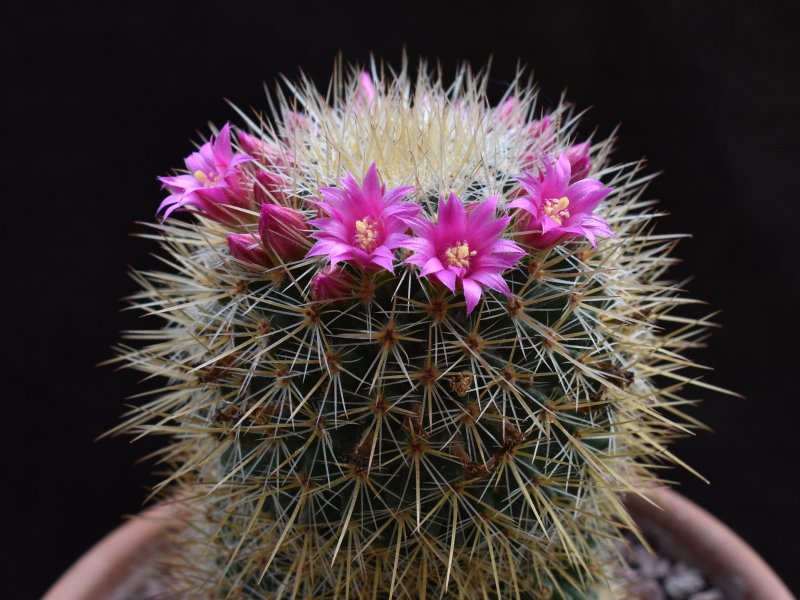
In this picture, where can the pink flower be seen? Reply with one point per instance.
(464, 248)
(332, 283)
(283, 231)
(247, 248)
(214, 182)
(364, 224)
(559, 210)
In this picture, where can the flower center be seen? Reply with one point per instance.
(459, 255)
(367, 234)
(556, 209)
(207, 179)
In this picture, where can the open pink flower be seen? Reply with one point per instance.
(214, 180)
(558, 210)
(464, 248)
(364, 224)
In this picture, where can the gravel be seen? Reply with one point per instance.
(654, 577)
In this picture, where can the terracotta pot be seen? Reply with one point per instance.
(118, 563)
(687, 532)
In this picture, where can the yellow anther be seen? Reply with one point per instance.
(556, 209)
(366, 236)
(206, 179)
(459, 255)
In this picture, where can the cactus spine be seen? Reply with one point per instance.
(345, 431)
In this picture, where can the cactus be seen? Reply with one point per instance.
(411, 345)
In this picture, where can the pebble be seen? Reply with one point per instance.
(708, 595)
(683, 581)
(656, 577)
(647, 589)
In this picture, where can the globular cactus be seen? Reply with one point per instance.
(412, 346)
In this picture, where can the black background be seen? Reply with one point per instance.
(99, 99)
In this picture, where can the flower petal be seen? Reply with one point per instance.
(586, 194)
(491, 280)
(452, 216)
(472, 293)
(448, 279)
(432, 265)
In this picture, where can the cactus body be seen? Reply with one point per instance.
(345, 431)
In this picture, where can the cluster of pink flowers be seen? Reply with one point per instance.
(464, 247)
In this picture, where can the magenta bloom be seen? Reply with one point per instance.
(559, 210)
(364, 224)
(214, 180)
(464, 248)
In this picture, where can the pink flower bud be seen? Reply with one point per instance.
(283, 231)
(297, 123)
(541, 140)
(366, 89)
(510, 111)
(265, 152)
(269, 188)
(251, 144)
(579, 161)
(541, 129)
(247, 248)
(332, 283)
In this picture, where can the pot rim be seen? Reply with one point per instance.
(115, 564)
(688, 532)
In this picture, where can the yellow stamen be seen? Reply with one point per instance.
(459, 255)
(207, 179)
(366, 236)
(556, 209)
